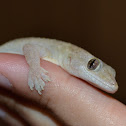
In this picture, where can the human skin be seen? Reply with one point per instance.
(71, 100)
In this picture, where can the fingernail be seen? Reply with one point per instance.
(2, 113)
(4, 82)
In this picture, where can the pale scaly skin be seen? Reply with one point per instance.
(71, 58)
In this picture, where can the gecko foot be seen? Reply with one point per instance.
(37, 79)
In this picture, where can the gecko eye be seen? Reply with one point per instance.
(93, 64)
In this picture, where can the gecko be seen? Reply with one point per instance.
(73, 59)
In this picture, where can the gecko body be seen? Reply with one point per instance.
(75, 60)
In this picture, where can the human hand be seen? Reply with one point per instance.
(66, 100)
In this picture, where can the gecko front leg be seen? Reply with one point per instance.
(37, 75)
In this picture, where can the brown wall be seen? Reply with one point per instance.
(97, 25)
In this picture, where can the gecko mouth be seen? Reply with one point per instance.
(107, 87)
(104, 85)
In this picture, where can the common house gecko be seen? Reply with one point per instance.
(75, 60)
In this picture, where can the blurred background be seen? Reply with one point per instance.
(99, 26)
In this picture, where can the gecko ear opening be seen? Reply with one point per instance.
(93, 64)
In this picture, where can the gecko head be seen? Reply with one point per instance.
(99, 74)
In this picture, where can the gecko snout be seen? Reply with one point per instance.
(112, 81)
(114, 87)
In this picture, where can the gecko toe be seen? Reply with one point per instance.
(46, 78)
(30, 81)
(37, 79)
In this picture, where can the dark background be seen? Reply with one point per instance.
(99, 26)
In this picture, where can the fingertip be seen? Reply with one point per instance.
(13, 72)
